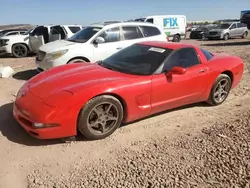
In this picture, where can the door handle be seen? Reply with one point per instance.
(119, 48)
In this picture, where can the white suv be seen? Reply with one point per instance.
(21, 45)
(96, 42)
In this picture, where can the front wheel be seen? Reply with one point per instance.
(19, 50)
(220, 90)
(226, 36)
(100, 117)
(76, 61)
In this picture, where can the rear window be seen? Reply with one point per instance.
(207, 54)
(150, 31)
(74, 29)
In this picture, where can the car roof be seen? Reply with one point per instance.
(103, 24)
(170, 45)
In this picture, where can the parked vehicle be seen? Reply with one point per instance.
(49, 33)
(96, 42)
(17, 45)
(138, 81)
(10, 32)
(20, 45)
(201, 32)
(174, 26)
(228, 30)
(245, 18)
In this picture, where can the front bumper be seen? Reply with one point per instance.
(46, 65)
(4, 50)
(216, 36)
(30, 109)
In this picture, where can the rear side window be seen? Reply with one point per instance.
(149, 31)
(74, 29)
(131, 32)
(150, 20)
(207, 54)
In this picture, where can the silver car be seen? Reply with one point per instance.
(228, 30)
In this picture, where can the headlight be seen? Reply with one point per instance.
(4, 42)
(55, 55)
(201, 32)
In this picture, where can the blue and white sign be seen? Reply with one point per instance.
(170, 23)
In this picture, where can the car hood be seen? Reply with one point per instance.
(57, 45)
(73, 78)
(15, 37)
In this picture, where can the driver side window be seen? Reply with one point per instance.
(233, 26)
(185, 57)
(111, 35)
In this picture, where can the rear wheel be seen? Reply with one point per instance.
(176, 38)
(19, 50)
(100, 117)
(220, 90)
(245, 35)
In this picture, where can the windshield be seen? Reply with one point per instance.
(27, 32)
(224, 26)
(2, 33)
(85, 34)
(137, 59)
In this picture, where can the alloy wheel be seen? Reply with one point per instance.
(102, 118)
(221, 90)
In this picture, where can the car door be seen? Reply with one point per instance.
(56, 33)
(132, 34)
(178, 90)
(241, 29)
(38, 37)
(112, 44)
(233, 30)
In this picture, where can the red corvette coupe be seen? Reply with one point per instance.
(140, 80)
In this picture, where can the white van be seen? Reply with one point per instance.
(174, 26)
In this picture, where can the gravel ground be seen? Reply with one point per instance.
(218, 157)
(192, 146)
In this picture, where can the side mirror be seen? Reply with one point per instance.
(176, 70)
(99, 40)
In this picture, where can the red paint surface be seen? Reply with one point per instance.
(57, 96)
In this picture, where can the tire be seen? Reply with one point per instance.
(76, 60)
(90, 111)
(244, 36)
(226, 36)
(176, 38)
(216, 90)
(19, 50)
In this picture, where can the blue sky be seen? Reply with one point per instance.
(89, 11)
